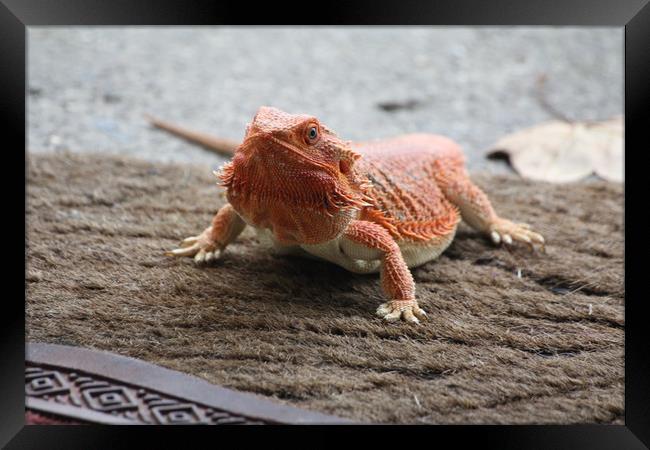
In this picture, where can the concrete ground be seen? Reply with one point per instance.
(89, 87)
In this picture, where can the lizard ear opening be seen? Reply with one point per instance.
(345, 166)
(348, 157)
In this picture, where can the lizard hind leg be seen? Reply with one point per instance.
(506, 231)
(476, 209)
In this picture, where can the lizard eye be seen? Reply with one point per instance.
(311, 134)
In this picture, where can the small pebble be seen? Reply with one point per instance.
(34, 275)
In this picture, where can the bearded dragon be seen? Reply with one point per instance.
(378, 206)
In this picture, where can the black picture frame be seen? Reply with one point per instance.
(633, 15)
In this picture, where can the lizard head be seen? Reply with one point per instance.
(291, 164)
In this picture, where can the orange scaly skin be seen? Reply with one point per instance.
(379, 206)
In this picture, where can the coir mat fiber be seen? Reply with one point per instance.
(512, 336)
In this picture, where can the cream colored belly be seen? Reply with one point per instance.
(358, 258)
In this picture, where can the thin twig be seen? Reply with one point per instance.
(541, 98)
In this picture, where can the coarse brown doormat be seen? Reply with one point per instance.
(512, 337)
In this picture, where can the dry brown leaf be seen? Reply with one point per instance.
(561, 151)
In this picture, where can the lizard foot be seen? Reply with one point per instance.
(202, 247)
(407, 310)
(503, 230)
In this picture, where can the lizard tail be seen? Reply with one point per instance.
(214, 144)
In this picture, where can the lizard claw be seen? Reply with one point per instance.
(187, 251)
(407, 310)
(187, 242)
(204, 256)
(505, 231)
(202, 248)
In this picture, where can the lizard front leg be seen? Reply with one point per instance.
(226, 226)
(396, 279)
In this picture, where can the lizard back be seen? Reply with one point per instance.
(406, 194)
